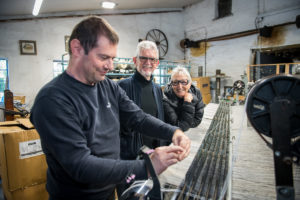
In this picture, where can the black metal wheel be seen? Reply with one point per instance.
(239, 86)
(263, 94)
(160, 39)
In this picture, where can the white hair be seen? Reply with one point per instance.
(181, 70)
(146, 44)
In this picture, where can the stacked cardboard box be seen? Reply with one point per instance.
(23, 164)
(203, 83)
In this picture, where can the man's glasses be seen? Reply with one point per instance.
(182, 82)
(144, 59)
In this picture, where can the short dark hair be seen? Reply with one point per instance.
(88, 31)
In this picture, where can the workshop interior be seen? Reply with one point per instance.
(244, 57)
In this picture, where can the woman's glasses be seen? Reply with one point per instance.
(177, 82)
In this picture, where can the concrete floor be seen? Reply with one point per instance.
(253, 165)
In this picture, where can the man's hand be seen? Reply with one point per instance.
(165, 156)
(180, 139)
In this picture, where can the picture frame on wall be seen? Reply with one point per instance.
(27, 47)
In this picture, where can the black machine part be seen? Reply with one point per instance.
(21, 112)
(273, 109)
(186, 43)
(239, 86)
(150, 188)
(283, 88)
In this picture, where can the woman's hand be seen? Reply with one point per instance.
(188, 97)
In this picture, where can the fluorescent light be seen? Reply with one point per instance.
(108, 4)
(37, 6)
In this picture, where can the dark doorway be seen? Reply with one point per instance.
(274, 60)
(288, 54)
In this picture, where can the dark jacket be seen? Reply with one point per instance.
(180, 113)
(131, 141)
(79, 129)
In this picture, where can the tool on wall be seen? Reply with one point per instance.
(160, 40)
(273, 109)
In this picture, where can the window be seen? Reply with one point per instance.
(59, 66)
(224, 8)
(4, 84)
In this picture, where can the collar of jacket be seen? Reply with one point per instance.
(170, 96)
(137, 76)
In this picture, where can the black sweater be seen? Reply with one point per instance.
(131, 140)
(79, 129)
(180, 113)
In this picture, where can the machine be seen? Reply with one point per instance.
(273, 109)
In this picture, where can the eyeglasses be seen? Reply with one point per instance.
(144, 59)
(183, 82)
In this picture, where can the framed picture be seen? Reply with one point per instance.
(27, 47)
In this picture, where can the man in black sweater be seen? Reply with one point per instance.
(148, 95)
(78, 116)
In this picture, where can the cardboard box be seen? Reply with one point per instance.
(203, 83)
(35, 192)
(206, 98)
(20, 99)
(23, 164)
